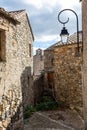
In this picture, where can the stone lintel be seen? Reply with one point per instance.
(4, 28)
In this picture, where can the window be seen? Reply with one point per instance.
(2, 45)
(52, 61)
(30, 50)
(28, 78)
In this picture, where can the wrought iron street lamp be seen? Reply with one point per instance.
(64, 33)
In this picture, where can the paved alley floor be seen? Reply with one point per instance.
(39, 121)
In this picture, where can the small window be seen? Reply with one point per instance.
(28, 78)
(52, 61)
(2, 46)
(30, 50)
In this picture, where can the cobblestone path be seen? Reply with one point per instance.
(42, 122)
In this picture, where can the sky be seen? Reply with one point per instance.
(43, 16)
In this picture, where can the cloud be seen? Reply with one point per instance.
(69, 3)
(47, 38)
(46, 41)
(34, 50)
(39, 4)
(51, 4)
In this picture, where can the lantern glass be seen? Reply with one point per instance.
(64, 35)
(64, 38)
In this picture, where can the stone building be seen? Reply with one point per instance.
(38, 75)
(16, 67)
(84, 27)
(38, 63)
(63, 71)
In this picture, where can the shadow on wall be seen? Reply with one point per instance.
(11, 113)
(32, 90)
(27, 87)
(16, 122)
(38, 87)
(12, 104)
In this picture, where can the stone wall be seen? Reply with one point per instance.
(49, 70)
(84, 28)
(38, 87)
(38, 63)
(68, 74)
(49, 60)
(13, 73)
(27, 87)
(25, 59)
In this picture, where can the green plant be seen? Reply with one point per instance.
(50, 105)
(46, 104)
(46, 99)
(29, 110)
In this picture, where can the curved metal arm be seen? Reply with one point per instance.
(68, 21)
(60, 20)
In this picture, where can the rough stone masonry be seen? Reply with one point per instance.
(16, 68)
